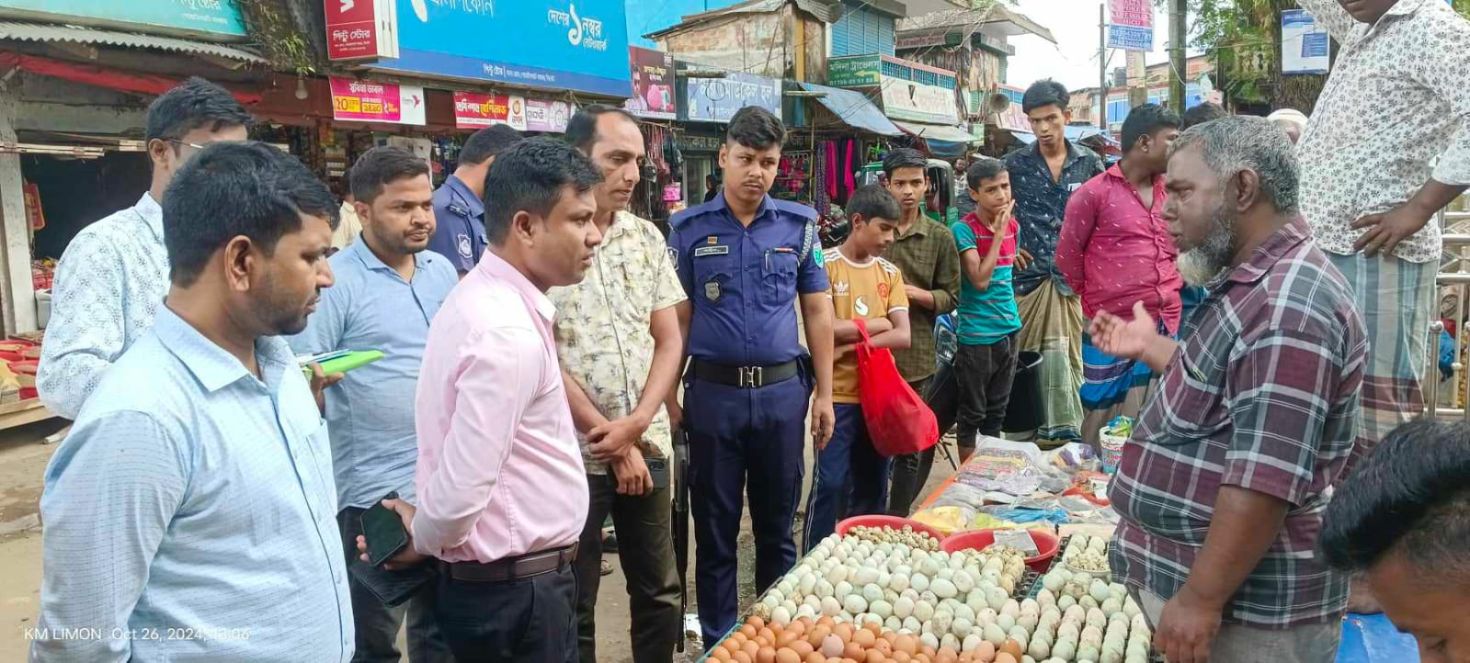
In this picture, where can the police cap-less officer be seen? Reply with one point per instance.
(744, 259)
(458, 209)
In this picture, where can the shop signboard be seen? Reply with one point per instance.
(547, 116)
(717, 99)
(1304, 44)
(369, 101)
(579, 45)
(359, 29)
(653, 84)
(855, 71)
(477, 110)
(918, 102)
(209, 19)
(1131, 25)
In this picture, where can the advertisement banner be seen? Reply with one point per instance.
(1131, 25)
(476, 110)
(577, 45)
(855, 71)
(547, 116)
(211, 19)
(907, 100)
(1304, 44)
(653, 84)
(367, 101)
(353, 30)
(717, 99)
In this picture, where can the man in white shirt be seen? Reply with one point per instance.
(114, 274)
(1374, 175)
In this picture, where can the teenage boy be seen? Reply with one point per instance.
(985, 361)
(851, 478)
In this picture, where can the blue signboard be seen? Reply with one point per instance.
(717, 99)
(557, 44)
(211, 18)
(1130, 38)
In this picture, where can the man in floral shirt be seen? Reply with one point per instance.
(618, 339)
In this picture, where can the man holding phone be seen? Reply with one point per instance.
(502, 492)
(388, 289)
(618, 339)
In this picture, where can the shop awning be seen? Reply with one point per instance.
(79, 35)
(937, 132)
(854, 108)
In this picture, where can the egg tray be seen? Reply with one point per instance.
(1033, 586)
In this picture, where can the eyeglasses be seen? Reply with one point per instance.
(185, 143)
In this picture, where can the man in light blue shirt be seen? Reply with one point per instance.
(189, 515)
(388, 288)
(114, 273)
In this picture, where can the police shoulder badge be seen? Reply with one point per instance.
(462, 242)
(819, 257)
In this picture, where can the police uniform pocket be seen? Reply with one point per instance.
(714, 277)
(778, 277)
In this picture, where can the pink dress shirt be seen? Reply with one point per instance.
(1113, 251)
(499, 471)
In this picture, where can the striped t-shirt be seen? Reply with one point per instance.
(986, 317)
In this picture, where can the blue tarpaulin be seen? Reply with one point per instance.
(854, 108)
(1374, 639)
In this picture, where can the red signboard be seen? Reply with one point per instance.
(474, 110)
(352, 29)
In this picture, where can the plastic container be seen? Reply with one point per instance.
(1025, 410)
(1112, 451)
(891, 522)
(1047, 543)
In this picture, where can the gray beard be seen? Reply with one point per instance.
(1204, 263)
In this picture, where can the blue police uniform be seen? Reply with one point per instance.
(459, 232)
(748, 387)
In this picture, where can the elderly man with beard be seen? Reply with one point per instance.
(1223, 486)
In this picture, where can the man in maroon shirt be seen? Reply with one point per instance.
(1115, 250)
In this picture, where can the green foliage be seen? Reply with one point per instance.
(270, 24)
(1244, 38)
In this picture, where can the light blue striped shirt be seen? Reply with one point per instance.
(190, 514)
(370, 412)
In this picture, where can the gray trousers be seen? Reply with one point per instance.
(1309, 643)
(646, 552)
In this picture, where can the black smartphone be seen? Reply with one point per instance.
(384, 531)
(658, 470)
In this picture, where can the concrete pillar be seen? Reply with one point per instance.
(17, 292)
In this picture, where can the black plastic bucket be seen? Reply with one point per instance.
(1026, 409)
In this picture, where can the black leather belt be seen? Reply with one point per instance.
(745, 377)
(513, 568)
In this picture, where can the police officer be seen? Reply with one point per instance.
(744, 259)
(458, 210)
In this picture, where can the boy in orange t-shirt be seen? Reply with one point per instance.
(851, 478)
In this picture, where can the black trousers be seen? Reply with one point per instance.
(646, 552)
(376, 624)
(984, 374)
(532, 620)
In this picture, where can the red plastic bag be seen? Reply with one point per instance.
(898, 420)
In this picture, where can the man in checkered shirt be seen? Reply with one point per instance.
(1222, 488)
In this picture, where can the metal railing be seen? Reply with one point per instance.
(1454, 271)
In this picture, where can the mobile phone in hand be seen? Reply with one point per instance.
(384, 532)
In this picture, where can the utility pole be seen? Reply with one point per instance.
(1102, 67)
(1177, 35)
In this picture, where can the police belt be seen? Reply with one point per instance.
(745, 377)
(513, 568)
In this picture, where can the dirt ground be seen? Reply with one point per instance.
(23, 459)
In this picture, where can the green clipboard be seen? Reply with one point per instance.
(341, 363)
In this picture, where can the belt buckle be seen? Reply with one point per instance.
(752, 377)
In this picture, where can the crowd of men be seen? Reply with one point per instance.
(1259, 305)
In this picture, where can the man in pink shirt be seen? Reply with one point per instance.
(1115, 249)
(502, 492)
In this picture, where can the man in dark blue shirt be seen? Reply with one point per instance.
(744, 260)
(1043, 177)
(458, 208)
